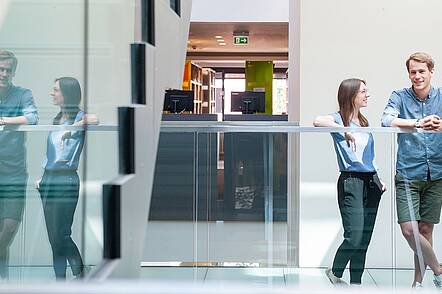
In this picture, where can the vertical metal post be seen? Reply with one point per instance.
(293, 200)
(268, 199)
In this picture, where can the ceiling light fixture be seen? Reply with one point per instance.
(222, 44)
(220, 40)
(219, 37)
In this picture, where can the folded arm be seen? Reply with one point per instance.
(29, 110)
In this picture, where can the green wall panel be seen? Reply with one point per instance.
(259, 75)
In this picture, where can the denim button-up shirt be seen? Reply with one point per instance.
(64, 154)
(18, 102)
(418, 153)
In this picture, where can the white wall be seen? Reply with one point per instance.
(371, 40)
(240, 11)
(165, 64)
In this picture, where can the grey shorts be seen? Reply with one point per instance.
(418, 200)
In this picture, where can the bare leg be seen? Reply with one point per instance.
(426, 230)
(9, 228)
(428, 254)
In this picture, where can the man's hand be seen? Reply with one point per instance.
(351, 142)
(431, 123)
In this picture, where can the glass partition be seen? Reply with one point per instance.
(228, 203)
(230, 209)
(52, 49)
(321, 230)
(73, 58)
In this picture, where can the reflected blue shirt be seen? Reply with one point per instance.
(348, 160)
(17, 102)
(418, 153)
(64, 154)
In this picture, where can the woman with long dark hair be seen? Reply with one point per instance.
(359, 187)
(59, 186)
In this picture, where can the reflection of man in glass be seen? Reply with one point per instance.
(16, 107)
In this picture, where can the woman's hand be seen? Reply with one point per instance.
(66, 136)
(89, 119)
(37, 183)
(384, 186)
(351, 141)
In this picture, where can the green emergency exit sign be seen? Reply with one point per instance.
(241, 40)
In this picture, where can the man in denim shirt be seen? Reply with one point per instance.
(419, 162)
(16, 107)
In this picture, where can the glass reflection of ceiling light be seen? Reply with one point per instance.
(221, 40)
(222, 44)
(219, 37)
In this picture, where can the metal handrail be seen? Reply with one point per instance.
(271, 127)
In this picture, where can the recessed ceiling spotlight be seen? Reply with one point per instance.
(219, 37)
(221, 40)
(222, 44)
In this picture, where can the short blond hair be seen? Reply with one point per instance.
(421, 57)
(8, 55)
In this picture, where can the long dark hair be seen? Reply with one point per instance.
(71, 91)
(348, 89)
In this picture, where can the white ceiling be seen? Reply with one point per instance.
(267, 41)
(264, 37)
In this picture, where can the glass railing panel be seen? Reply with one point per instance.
(381, 256)
(321, 229)
(246, 224)
(55, 49)
(250, 224)
(177, 227)
(233, 190)
(98, 167)
(53, 225)
(48, 43)
(247, 221)
(403, 273)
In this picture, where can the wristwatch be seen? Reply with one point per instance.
(417, 125)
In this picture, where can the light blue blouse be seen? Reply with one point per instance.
(64, 154)
(348, 160)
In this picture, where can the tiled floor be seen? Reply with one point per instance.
(304, 278)
(292, 277)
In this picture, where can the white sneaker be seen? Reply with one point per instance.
(437, 280)
(334, 279)
(418, 286)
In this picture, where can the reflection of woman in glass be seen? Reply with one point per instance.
(359, 188)
(59, 186)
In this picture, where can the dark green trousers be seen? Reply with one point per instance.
(358, 197)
